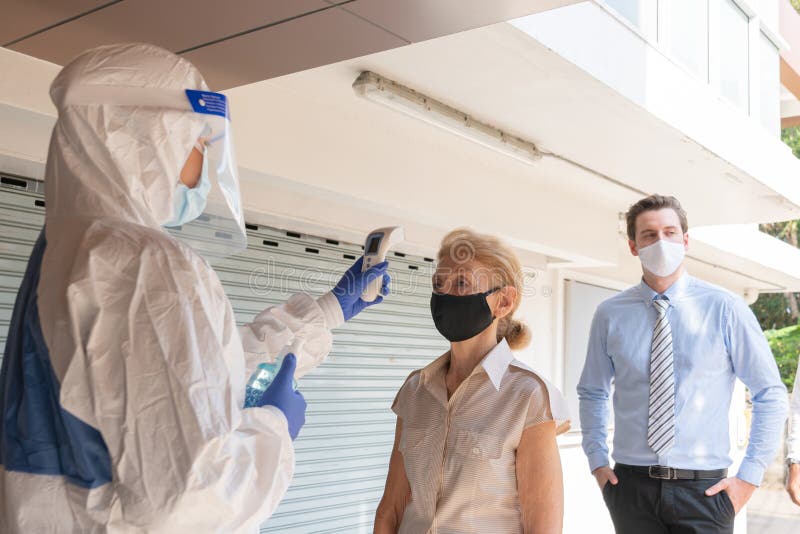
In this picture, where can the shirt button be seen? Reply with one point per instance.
(476, 450)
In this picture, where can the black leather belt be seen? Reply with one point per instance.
(671, 473)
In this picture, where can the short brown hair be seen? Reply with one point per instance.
(654, 203)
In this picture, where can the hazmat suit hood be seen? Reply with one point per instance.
(122, 162)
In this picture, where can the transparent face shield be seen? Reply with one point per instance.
(218, 231)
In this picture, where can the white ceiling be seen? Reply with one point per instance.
(240, 42)
(506, 78)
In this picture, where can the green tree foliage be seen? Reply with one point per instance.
(772, 311)
(779, 313)
(791, 136)
(779, 310)
(785, 344)
(795, 4)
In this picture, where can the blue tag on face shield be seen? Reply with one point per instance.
(208, 103)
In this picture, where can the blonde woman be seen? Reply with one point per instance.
(475, 446)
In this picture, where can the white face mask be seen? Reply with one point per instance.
(663, 257)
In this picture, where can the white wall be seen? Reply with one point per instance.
(597, 41)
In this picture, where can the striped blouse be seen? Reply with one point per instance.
(460, 454)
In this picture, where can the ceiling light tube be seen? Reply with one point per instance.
(409, 102)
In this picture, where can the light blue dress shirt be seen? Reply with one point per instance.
(716, 338)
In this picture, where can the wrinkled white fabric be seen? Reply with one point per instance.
(141, 335)
(300, 326)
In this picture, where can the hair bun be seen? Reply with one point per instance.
(517, 334)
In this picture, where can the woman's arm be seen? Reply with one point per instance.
(397, 493)
(539, 480)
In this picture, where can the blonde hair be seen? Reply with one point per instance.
(463, 245)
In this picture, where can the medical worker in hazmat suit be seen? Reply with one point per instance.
(123, 381)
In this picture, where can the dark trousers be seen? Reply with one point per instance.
(642, 505)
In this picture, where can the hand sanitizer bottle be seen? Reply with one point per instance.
(260, 381)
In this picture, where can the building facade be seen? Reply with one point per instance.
(619, 98)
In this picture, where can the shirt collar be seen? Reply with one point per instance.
(430, 370)
(674, 293)
(495, 363)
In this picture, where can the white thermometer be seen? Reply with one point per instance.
(375, 248)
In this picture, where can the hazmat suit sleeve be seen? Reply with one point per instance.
(158, 368)
(302, 325)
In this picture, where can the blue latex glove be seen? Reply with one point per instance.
(348, 290)
(281, 394)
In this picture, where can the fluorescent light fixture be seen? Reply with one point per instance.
(409, 102)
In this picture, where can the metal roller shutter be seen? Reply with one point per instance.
(343, 451)
(21, 219)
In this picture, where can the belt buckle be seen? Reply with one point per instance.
(661, 472)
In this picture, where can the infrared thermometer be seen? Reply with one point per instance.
(375, 249)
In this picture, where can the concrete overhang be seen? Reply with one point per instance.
(241, 42)
(772, 265)
(706, 151)
(503, 76)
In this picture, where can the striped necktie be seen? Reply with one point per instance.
(661, 420)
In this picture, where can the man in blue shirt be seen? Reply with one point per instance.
(673, 346)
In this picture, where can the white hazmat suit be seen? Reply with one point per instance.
(141, 335)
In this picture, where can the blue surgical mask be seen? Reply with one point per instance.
(189, 203)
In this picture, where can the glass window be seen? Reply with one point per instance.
(770, 91)
(733, 54)
(687, 29)
(642, 14)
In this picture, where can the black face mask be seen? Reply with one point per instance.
(460, 317)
